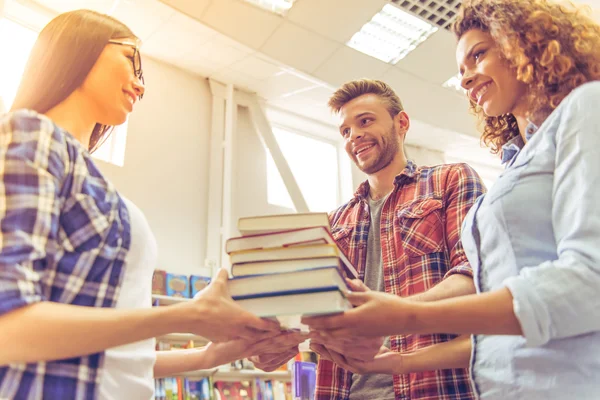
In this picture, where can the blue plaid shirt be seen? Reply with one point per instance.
(64, 237)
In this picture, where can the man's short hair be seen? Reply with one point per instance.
(353, 89)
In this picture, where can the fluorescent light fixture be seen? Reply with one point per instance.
(276, 6)
(391, 34)
(454, 83)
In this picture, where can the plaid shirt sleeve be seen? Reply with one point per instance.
(32, 166)
(464, 186)
(64, 238)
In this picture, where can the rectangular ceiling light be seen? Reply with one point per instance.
(391, 34)
(277, 6)
(454, 83)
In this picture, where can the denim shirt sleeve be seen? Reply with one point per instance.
(559, 298)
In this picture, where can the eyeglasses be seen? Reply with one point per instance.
(136, 59)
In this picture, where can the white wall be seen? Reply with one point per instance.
(166, 164)
(250, 172)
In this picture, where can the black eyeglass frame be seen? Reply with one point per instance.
(139, 73)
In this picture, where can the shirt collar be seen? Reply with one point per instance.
(409, 172)
(513, 146)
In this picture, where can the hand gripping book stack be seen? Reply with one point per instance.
(286, 266)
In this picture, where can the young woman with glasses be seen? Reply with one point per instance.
(76, 258)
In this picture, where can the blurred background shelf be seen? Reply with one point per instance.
(168, 300)
(238, 375)
(183, 338)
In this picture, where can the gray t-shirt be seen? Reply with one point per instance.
(376, 386)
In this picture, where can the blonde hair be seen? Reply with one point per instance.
(553, 48)
(353, 89)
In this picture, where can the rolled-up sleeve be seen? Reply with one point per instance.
(32, 166)
(560, 298)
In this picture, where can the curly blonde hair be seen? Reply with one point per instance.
(552, 47)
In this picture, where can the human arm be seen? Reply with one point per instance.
(169, 363)
(381, 314)
(452, 354)
(72, 331)
(454, 285)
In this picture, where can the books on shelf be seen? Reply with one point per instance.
(177, 285)
(303, 380)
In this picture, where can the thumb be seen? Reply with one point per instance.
(222, 276)
(357, 285)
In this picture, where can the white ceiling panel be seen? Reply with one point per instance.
(430, 102)
(218, 50)
(299, 48)
(257, 67)
(284, 84)
(198, 66)
(238, 79)
(301, 106)
(34, 18)
(347, 64)
(318, 95)
(241, 21)
(143, 17)
(103, 6)
(335, 19)
(194, 8)
(434, 59)
(177, 37)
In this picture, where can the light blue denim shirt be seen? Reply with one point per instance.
(537, 232)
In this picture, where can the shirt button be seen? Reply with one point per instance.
(419, 212)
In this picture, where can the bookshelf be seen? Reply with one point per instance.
(183, 338)
(168, 300)
(238, 375)
(216, 373)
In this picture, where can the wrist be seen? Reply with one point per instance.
(204, 358)
(185, 317)
(408, 316)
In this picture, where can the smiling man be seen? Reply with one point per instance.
(401, 229)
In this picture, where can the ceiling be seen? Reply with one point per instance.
(293, 62)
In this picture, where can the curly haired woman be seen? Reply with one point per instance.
(531, 69)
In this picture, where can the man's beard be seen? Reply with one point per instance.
(389, 148)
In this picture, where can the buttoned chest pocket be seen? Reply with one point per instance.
(421, 229)
(342, 236)
(509, 178)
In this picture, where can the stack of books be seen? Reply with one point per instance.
(287, 266)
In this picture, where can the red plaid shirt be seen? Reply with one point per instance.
(420, 246)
